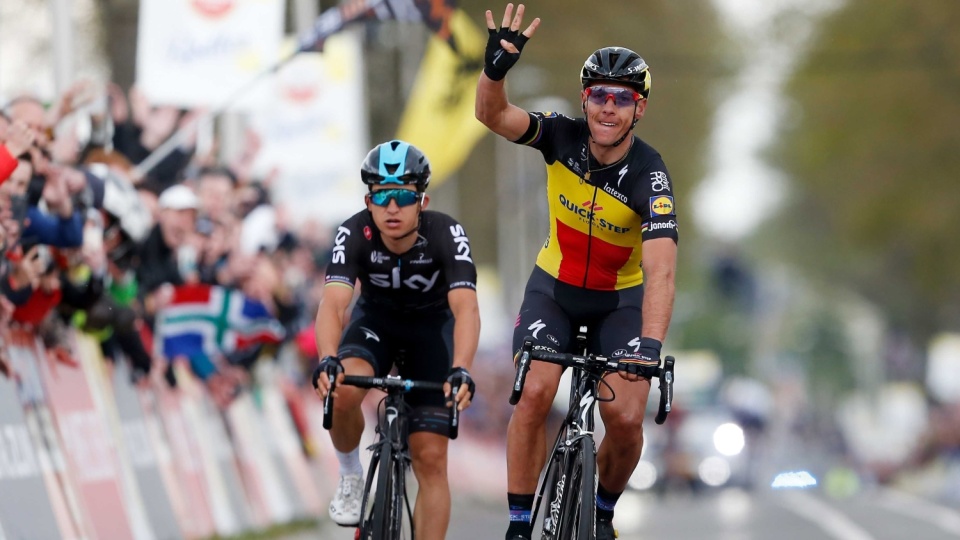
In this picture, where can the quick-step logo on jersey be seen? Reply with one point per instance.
(586, 212)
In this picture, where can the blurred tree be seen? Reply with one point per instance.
(874, 153)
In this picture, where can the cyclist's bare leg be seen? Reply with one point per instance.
(620, 449)
(431, 514)
(526, 433)
(347, 416)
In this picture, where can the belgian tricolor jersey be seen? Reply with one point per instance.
(599, 216)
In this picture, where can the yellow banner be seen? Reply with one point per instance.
(439, 118)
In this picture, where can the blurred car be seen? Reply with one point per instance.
(697, 449)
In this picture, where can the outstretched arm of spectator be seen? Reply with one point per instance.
(58, 231)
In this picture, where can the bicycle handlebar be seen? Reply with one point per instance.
(390, 385)
(598, 363)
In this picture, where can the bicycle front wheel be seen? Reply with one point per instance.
(578, 516)
(383, 502)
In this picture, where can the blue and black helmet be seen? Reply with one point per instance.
(396, 162)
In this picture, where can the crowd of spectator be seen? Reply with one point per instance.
(90, 240)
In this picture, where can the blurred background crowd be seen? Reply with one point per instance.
(91, 242)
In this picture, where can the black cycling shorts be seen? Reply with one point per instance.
(419, 345)
(552, 312)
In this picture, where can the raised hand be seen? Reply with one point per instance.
(19, 138)
(505, 44)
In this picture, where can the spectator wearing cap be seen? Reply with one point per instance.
(160, 258)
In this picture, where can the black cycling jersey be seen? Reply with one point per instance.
(417, 280)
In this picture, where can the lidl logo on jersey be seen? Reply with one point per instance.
(661, 205)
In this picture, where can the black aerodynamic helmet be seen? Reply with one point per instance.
(619, 65)
(396, 162)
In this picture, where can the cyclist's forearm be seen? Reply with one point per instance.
(331, 316)
(495, 111)
(466, 336)
(491, 101)
(659, 268)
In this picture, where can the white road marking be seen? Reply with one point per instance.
(834, 523)
(922, 509)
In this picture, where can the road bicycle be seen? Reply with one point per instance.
(569, 476)
(387, 513)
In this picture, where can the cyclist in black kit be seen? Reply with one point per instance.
(609, 261)
(418, 294)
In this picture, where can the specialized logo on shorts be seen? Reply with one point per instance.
(661, 205)
(370, 334)
(536, 327)
(659, 181)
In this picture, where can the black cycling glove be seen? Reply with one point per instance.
(329, 365)
(646, 359)
(459, 376)
(496, 60)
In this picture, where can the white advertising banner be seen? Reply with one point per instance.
(199, 53)
(313, 132)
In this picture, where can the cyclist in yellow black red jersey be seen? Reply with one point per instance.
(609, 261)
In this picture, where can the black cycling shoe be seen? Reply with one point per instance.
(519, 537)
(605, 530)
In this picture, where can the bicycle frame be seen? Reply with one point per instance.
(390, 459)
(576, 432)
(565, 476)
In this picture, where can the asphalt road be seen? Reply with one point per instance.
(736, 515)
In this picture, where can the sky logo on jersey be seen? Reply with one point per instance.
(661, 205)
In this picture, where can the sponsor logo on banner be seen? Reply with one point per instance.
(661, 205)
(17, 458)
(213, 9)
